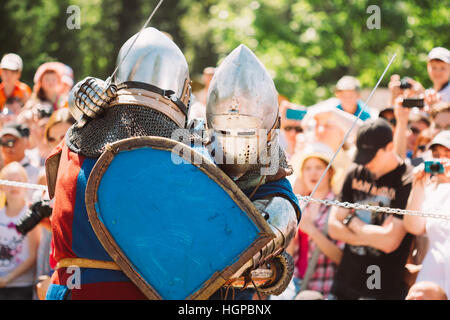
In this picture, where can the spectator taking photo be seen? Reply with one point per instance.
(430, 192)
(374, 240)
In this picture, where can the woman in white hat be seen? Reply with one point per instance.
(431, 193)
(315, 271)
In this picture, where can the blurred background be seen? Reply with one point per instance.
(307, 45)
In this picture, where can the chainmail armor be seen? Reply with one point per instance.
(119, 122)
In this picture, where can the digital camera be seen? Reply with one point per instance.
(434, 167)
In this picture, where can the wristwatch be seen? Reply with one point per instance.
(347, 219)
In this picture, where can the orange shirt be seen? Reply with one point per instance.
(21, 91)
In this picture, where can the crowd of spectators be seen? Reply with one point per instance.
(32, 123)
(397, 157)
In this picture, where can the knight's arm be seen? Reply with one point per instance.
(282, 218)
(90, 97)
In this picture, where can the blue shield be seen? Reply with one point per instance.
(174, 222)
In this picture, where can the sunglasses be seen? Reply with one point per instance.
(296, 128)
(393, 121)
(414, 130)
(43, 113)
(8, 143)
(422, 147)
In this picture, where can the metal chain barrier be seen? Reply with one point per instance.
(18, 184)
(351, 128)
(378, 209)
(306, 199)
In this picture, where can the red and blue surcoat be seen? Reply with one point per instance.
(73, 237)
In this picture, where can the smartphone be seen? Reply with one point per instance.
(434, 167)
(294, 114)
(412, 102)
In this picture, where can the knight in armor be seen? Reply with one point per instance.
(149, 97)
(243, 121)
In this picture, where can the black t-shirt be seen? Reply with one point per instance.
(359, 263)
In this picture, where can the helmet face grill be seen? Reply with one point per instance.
(241, 110)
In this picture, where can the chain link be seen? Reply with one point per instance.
(23, 185)
(346, 205)
(377, 209)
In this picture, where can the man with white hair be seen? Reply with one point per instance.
(348, 92)
(330, 127)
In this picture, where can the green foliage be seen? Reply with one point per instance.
(306, 45)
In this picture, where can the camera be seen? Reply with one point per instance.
(412, 102)
(44, 111)
(434, 167)
(38, 211)
(404, 84)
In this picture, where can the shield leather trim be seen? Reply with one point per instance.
(51, 171)
(218, 279)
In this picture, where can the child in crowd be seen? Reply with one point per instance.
(18, 252)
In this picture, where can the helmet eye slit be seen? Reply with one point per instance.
(246, 133)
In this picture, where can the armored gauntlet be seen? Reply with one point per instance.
(89, 98)
(281, 216)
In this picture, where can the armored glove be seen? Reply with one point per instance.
(38, 211)
(281, 216)
(89, 98)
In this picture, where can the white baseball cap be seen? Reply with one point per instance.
(442, 138)
(11, 61)
(439, 53)
(348, 83)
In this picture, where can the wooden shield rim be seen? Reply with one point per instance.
(218, 279)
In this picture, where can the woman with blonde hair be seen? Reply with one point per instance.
(319, 254)
(58, 124)
(17, 270)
